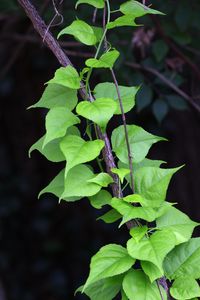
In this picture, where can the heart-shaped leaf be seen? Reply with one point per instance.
(103, 179)
(78, 151)
(81, 31)
(109, 261)
(185, 287)
(68, 77)
(100, 199)
(140, 142)
(58, 120)
(100, 111)
(108, 90)
(106, 60)
(136, 9)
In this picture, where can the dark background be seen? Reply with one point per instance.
(45, 246)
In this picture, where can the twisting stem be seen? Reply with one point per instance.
(120, 102)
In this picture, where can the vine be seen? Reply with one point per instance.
(168, 259)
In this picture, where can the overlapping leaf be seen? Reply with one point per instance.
(108, 90)
(179, 223)
(152, 183)
(184, 260)
(153, 249)
(139, 139)
(102, 179)
(100, 111)
(77, 151)
(67, 77)
(57, 95)
(121, 172)
(110, 217)
(136, 285)
(122, 21)
(109, 261)
(100, 199)
(58, 120)
(81, 31)
(106, 60)
(185, 287)
(77, 185)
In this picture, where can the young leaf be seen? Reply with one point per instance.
(121, 173)
(78, 151)
(100, 199)
(106, 288)
(138, 233)
(67, 77)
(95, 3)
(136, 9)
(56, 187)
(107, 60)
(57, 95)
(81, 31)
(153, 249)
(108, 90)
(102, 179)
(151, 270)
(122, 21)
(179, 223)
(184, 260)
(136, 285)
(110, 217)
(109, 261)
(58, 120)
(185, 287)
(51, 151)
(139, 139)
(152, 183)
(77, 185)
(100, 111)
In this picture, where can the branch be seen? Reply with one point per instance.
(167, 82)
(63, 59)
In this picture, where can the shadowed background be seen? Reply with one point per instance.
(46, 246)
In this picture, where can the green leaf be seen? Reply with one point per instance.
(81, 31)
(77, 185)
(184, 260)
(100, 111)
(102, 179)
(106, 60)
(136, 285)
(153, 249)
(108, 90)
(130, 212)
(51, 151)
(160, 50)
(122, 21)
(78, 151)
(98, 31)
(124, 297)
(109, 261)
(136, 9)
(106, 288)
(67, 77)
(57, 95)
(56, 187)
(95, 3)
(147, 163)
(121, 173)
(152, 183)
(140, 142)
(58, 120)
(176, 102)
(100, 199)
(144, 97)
(138, 233)
(179, 223)
(185, 288)
(160, 109)
(152, 271)
(110, 217)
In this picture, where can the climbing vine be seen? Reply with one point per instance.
(160, 260)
